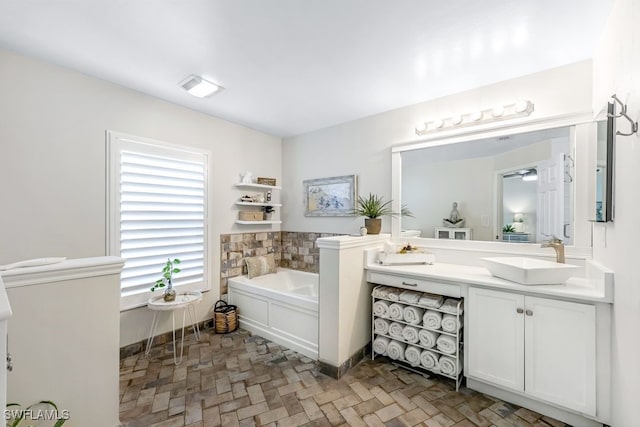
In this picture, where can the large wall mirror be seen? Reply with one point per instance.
(508, 186)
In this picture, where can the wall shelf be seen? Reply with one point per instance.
(257, 186)
(239, 221)
(257, 204)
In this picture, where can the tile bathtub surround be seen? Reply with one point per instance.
(242, 380)
(234, 248)
(295, 250)
(299, 250)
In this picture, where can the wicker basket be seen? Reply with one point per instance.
(266, 181)
(225, 317)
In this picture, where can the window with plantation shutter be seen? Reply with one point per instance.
(157, 209)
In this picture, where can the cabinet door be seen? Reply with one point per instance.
(560, 345)
(495, 348)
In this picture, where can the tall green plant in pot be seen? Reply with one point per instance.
(373, 208)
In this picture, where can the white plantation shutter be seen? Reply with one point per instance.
(157, 211)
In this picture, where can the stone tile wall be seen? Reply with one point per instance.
(299, 251)
(234, 248)
(295, 250)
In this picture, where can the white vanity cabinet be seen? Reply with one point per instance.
(542, 347)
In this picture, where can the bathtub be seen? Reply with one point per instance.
(281, 307)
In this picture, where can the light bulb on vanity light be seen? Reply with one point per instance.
(521, 106)
(457, 119)
(438, 123)
(475, 116)
(497, 111)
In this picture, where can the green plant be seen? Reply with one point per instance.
(167, 274)
(374, 206)
(508, 229)
(14, 414)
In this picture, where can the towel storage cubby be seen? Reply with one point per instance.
(418, 341)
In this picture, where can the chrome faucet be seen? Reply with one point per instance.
(558, 246)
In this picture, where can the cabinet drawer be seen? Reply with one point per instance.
(414, 284)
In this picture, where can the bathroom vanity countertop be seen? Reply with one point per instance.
(596, 286)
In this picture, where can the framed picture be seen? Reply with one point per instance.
(335, 196)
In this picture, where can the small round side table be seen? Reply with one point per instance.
(185, 301)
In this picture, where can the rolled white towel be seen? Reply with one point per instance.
(380, 345)
(381, 326)
(429, 360)
(382, 291)
(393, 294)
(396, 311)
(395, 350)
(451, 306)
(448, 366)
(410, 334)
(450, 323)
(432, 319)
(395, 330)
(427, 338)
(412, 355)
(413, 315)
(410, 297)
(430, 300)
(381, 308)
(446, 344)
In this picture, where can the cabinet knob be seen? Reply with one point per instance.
(529, 313)
(519, 310)
(9, 363)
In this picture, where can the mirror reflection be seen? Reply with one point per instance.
(517, 188)
(604, 166)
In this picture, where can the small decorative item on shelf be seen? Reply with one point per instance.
(268, 211)
(250, 215)
(166, 280)
(245, 178)
(454, 219)
(266, 181)
(246, 198)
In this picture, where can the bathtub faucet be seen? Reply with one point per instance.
(558, 246)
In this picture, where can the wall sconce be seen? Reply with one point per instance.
(520, 108)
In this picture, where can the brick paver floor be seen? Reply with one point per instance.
(243, 380)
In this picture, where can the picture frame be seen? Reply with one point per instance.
(333, 196)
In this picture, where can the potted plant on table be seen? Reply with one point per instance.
(166, 280)
(373, 208)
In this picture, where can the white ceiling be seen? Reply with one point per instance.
(293, 66)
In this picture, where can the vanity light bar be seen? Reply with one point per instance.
(520, 108)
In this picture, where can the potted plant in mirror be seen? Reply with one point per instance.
(508, 229)
(168, 271)
(373, 208)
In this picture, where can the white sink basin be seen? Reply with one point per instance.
(530, 271)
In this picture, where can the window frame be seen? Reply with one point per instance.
(116, 142)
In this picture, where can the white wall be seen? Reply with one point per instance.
(617, 70)
(362, 147)
(52, 166)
